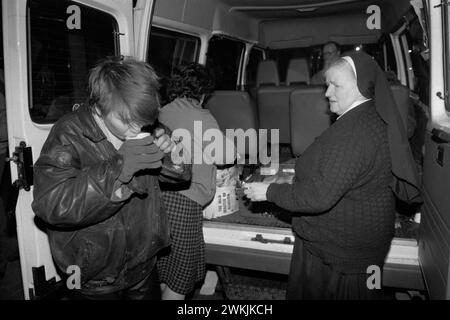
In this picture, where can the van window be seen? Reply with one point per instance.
(168, 50)
(373, 49)
(224, 58)
(255, 57)
(283, 56)
(391, 63)
(314, 56)
(62, 49)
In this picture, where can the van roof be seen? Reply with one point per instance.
(282, 9)
(305, 20)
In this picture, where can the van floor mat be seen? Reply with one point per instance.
(263, 214)
(266, 214)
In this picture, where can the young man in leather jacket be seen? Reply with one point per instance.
(97, 186)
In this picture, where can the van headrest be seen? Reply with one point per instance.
(267, 73)
(309, 116)
(232, 109)
(298, 72)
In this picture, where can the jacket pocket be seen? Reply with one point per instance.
(106, 250)
(99, 250)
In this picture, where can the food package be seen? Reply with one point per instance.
(227, 177)
(225, 200)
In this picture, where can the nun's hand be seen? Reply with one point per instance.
(256, 191)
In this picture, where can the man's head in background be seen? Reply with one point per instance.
(331, 51)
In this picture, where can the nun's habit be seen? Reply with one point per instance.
(342, 199)
(372, 83)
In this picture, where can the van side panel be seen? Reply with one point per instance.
(434, 243)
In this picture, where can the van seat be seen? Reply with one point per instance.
(273, 110)
(273, 100)
(233, 110)
(309, 116)
(267, 74)
(298, 72)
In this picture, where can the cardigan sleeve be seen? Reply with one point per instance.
(342, 161)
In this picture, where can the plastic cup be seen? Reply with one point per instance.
(141, 135)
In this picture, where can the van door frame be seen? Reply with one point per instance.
(175, 26)
(249, 46)
(248, 49)
(439, 115)
(142, 22)
(434, 240)
(395, 38)
(409, 68)
(239, 80)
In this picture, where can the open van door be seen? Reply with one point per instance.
(434, 245)
(49, 47)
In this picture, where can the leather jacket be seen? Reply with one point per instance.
(113, 241)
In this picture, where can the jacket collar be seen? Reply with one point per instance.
(91, 130)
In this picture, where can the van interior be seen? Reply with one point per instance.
(264, 54)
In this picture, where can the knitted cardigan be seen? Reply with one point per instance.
(344, 207)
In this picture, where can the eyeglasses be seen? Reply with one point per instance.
(329, 52)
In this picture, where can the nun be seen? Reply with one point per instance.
(343, 195)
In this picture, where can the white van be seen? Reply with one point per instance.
(49, 46)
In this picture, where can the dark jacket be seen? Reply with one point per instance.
(342, 191)
(114, 242)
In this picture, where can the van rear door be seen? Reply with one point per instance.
(49, 47)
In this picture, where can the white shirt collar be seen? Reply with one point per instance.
(116, 142)
(353, 105)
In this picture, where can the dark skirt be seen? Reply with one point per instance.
(311, 279)
(182, 264)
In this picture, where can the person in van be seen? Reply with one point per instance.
(342, 199)
(96, 184)
(331, 51)
(183, 264)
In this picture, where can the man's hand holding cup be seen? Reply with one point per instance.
(139, 153)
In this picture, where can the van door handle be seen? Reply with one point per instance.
(441, 137)
(23, 158)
